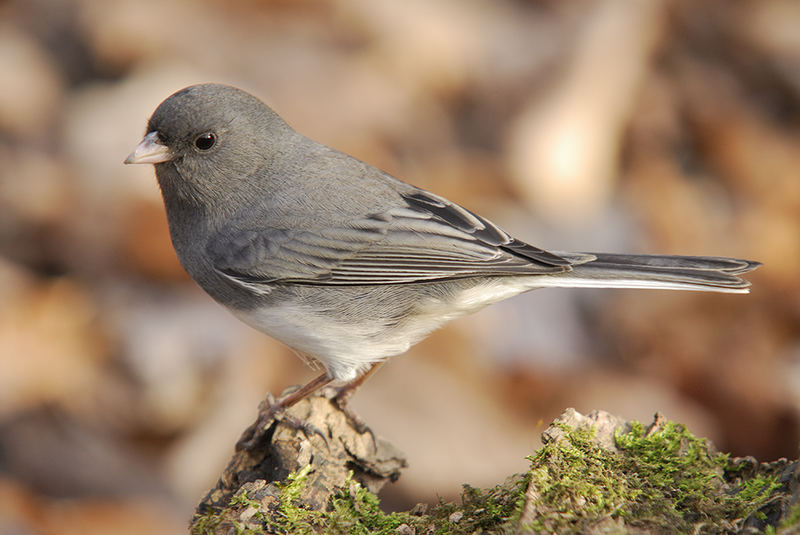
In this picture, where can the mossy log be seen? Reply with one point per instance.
(315, 435)
(594, 474)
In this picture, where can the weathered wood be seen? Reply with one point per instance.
(315, 433)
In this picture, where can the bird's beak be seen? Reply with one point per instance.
(150, 150)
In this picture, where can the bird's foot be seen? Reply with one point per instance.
(341, 397)
(271, 410)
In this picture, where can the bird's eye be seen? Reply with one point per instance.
(205, 141)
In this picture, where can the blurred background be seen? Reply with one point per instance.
(667, 126)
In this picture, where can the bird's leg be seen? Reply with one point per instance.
(276, 410)
(305, 390)
(344, 393)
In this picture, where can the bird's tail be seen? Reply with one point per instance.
(703, 273)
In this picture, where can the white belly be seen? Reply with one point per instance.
(345, 350)
(348, 349)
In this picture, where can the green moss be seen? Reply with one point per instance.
(576, 482)
(667, 480)
(489, 510)
(696, 484)
(292, 517)
(356, 511)
(206, 524)
(242, 499)
(662, 481)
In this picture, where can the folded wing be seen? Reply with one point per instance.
(429, 238)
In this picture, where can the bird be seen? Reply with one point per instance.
(340, 261)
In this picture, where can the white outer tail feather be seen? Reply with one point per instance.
(565, 281)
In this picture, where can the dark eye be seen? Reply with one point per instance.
(205, 141)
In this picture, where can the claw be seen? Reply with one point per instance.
(276, 411)
(356, 422)
(309, 429)
(271, 410)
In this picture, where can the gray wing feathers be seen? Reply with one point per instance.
(269, 255)
(427, 239)
(430, 238)
(443, 211)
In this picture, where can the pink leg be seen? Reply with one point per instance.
(345, 392)
(276, 411)
(305, 390)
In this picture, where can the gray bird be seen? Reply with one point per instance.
(337, 259)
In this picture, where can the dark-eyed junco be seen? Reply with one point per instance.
(339, 260)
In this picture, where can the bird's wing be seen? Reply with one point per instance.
(426, 239)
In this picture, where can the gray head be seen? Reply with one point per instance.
(206, 140)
